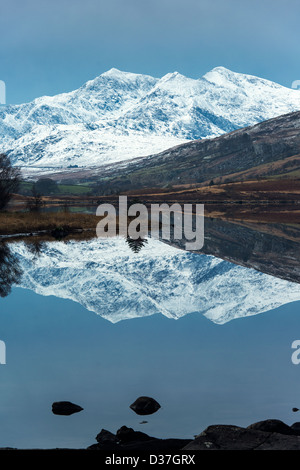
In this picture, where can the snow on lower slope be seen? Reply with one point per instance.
(74, 142)
(121, 115)
(107, 278)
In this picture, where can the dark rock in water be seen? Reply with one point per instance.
(295, 410)
(65, 408)
(296, 428)
(226, 437)
(126, 439)
(106, 440)
(125, 434)
(217, 437)
(106, 436)
(272, 425)
(143, 422)
(145, 406)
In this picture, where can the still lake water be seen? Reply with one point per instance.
(200, 372)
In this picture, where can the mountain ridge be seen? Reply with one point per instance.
(121, 115)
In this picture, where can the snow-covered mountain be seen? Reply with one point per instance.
(107, 278)
(121, 115)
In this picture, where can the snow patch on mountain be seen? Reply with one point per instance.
(107, 278)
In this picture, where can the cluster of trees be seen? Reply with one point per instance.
(10, 178)
(46, 187)
(43, 187)
(35, 202)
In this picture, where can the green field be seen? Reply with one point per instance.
(62, 189)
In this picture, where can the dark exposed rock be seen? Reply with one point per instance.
(125, 434)
(226, 437)
(65, 408)
(128, 439)
(145, 406)
(216, 437)
(295, 410)
(272, 425)
(156, 445)
(105, 436)
(296, 428)
(106, 440)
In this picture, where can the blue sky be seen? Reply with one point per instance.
(54, 46)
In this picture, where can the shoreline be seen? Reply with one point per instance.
(270, 434)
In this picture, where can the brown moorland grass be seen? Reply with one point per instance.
(27, 222)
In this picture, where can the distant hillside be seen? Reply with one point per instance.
(267, 150)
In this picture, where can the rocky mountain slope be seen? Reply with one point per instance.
(119, 116)
(265, 149)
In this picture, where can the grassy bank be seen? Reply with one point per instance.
(27, 222)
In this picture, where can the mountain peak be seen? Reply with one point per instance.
(121, 75)
(224, 77)
(221, 75)
(112, 72)
(222, 70)
(172, 75)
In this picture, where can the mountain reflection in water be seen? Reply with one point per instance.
(270, 248)
(157, 277)
(200, 372)
(106, 277)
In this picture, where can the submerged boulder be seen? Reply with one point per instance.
(145, 406)
(65, 408)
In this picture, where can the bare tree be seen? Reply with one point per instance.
(35, 202)
(10, 178)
